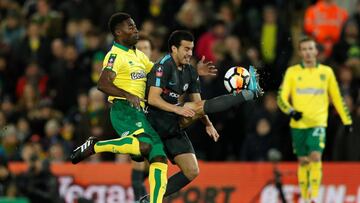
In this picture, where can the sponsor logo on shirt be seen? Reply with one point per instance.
(138, 75)
(314, 91)
(125, 133)
(170, 93)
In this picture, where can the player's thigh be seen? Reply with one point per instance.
(316, 140)
(127, 120)
(299, 137)
(176, 145)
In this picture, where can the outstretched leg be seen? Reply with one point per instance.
(223, 102)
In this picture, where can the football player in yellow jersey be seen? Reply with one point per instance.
(124, 79)
(308, 86)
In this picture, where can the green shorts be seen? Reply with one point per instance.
(127, 120)
(307, 140)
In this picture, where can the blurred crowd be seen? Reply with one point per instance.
(51, 54)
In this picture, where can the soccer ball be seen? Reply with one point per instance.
(236, 79)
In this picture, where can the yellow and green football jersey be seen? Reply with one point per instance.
(307, 90)
(131, 67)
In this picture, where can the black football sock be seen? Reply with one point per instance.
(175, 183)
(137, 180)
(224, 102)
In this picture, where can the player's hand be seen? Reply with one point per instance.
(348, 129)
(206, 68)
(212, 132)
(296, 115)
(184, 111)
(134, 101)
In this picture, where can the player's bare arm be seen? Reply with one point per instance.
(209, 127)
(106, 85)
(154, 99)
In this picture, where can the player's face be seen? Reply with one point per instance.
(128, 32)
(184, 52)
(308, 51)
(144, 46)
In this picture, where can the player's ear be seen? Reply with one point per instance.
(173, 48)
(118, 32)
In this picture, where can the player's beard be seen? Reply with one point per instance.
(186, 60)
(131, 41)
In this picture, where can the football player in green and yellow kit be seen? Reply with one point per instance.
(304, 96)
(123, 78)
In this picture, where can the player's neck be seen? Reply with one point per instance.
(124, 44)
(177, 62)
(309, 64)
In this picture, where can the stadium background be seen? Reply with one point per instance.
(51, 54)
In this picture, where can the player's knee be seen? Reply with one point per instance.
(303, 161)
(145, 149)
(191, 172)
(161, 159)
(315, 156)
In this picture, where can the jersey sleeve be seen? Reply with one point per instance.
(337, 99)
(194, 86)
(148, 64)
(111, 62)
(158, 76)
(284, 93)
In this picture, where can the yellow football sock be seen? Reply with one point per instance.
(315, 178)
(158, 181)
(124, 145)
(303, 179)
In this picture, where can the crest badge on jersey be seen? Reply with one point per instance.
(186, 86)
(159, 71)
(111, 61)
(322, 77)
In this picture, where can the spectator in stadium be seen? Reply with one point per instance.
(324, 22)
(206, 42)
(38, 183)
(34, 76)
(10, 143)
(347, 50)
(33, 47)
(7, 180)
(50, 21)
(309, 86)
(275, 45)
(257, 143)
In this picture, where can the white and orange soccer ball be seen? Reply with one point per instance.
(236, 79)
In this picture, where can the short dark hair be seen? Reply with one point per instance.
(116, 19)
(305, 38)
(178, 35)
